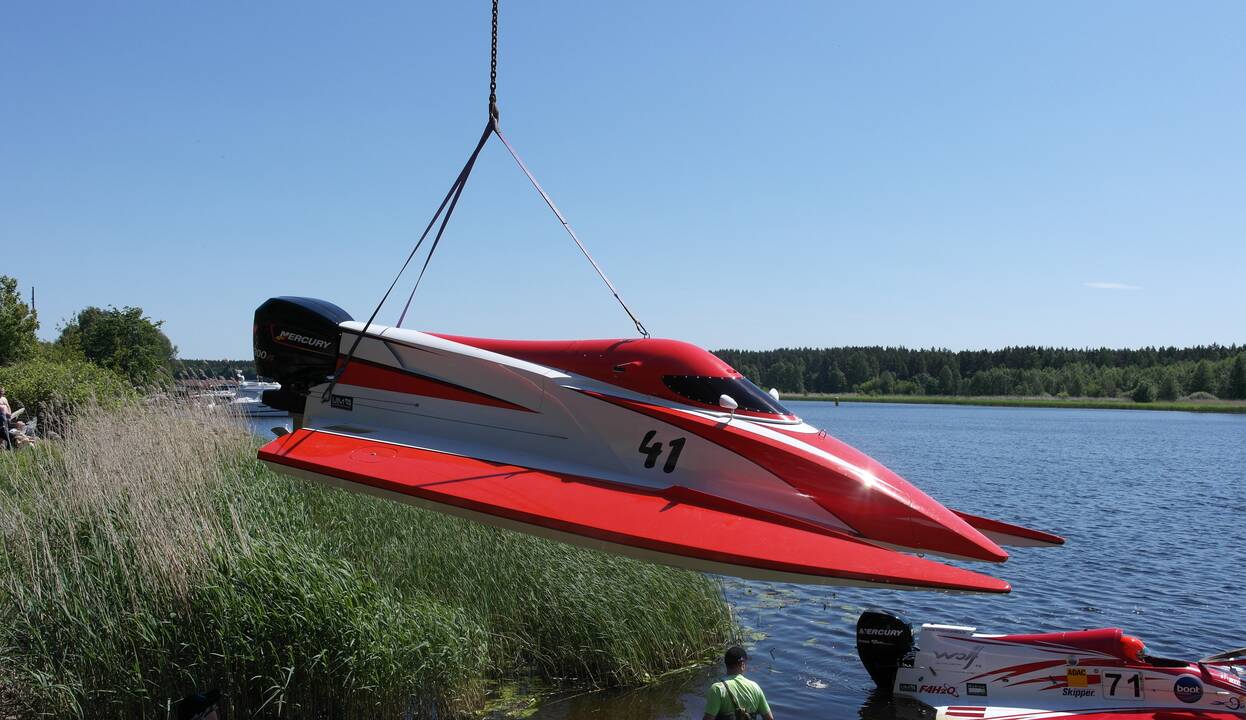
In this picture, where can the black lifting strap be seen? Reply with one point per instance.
(447, 205)
(451, 200)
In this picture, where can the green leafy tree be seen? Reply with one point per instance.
(924, 384)
(1144, 392)
(1031, 383)
(1169, 388)
(1237, 378)
(1203, 379)
(996, 381)
(1074, 383)
(949, 381)
(859, 370)
(1108, 382)
(751, 372)
(887, 383)
(822, 379)
(18, 323)
(124, 341)
(909, 387)
(839, 382)
(786, 377)
(50, 389)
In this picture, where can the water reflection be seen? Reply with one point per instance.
(882, 706)
(262, 427)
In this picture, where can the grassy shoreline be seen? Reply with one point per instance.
(1208, 406)
(149, 555)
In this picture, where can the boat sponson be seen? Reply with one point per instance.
(635, 521)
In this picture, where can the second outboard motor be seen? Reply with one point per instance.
(296, 344)
(884, 641)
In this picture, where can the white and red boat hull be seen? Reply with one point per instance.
(606, 444)
(1098, 674)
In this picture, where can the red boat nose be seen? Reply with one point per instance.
(942, 531)
(886, 508)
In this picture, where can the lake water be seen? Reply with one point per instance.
(1153, 506)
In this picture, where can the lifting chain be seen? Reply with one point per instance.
(493, 67)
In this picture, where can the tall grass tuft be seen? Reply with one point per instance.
(148, 555)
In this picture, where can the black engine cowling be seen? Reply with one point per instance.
(296, 344)
(884, 641)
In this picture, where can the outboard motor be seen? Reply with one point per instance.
(296, 344)
(884, 641)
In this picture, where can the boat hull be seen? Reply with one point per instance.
(653, 525)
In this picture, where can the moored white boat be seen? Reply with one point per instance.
(248, 399)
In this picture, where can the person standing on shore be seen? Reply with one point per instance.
(735, 696)
(5, 413)
(19, 437)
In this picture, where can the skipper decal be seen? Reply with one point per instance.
(1078, 692)
(342, 402)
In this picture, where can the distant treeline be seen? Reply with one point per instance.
(208, 369)
(1165, 373)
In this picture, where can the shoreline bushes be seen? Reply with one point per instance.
(50, 388)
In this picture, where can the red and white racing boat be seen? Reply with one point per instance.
(1099, 674)
(650, 448)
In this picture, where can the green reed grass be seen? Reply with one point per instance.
(148, 555)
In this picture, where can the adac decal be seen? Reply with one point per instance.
(1188, 689)
(950, 658)
(975, 689)
(342, 402)
(949, 690)
(1080, 678)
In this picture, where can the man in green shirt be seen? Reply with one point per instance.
(735, 691)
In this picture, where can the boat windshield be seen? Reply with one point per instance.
(706, 391)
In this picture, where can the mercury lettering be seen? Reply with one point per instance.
(303, 339)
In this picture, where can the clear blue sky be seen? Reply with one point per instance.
(750, 174)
